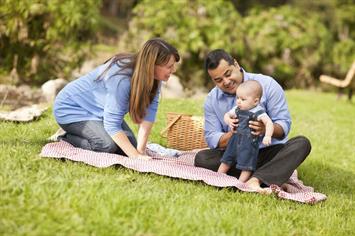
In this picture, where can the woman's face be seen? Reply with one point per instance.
(163, 72)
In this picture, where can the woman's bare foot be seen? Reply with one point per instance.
(254, 184)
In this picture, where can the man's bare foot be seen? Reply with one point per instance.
(284, 187)
(265, 191)
(254, 184)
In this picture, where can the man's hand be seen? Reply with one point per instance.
(257, 127)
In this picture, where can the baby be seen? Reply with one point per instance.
(243, 147)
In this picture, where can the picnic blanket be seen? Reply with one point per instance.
(181, 167)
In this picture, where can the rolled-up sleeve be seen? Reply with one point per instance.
(213, 128)
(153, 108)
(277, 107)
(116, 104)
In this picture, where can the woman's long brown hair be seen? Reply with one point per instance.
(143, 85)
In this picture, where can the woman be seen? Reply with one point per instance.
(91, 109)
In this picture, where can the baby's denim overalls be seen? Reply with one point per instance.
(243, 147)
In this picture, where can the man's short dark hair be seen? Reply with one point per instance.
(214, 57)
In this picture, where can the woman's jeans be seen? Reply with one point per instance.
(91, 135)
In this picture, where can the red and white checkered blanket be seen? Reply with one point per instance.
(181, 167)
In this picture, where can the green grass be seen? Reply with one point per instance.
(40, 196)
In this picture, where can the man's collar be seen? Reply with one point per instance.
(245, 74)
(222, 94)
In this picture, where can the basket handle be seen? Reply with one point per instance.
(163, 132)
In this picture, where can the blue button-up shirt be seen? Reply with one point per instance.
(218, 103)
(107, 99)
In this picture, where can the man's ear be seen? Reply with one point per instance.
(236, 63)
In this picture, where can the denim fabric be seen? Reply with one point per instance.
(107, 98)
(91, 135)
(243, 147)
(218, 103)
(275, 163)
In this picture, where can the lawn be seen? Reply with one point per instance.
(41, 196)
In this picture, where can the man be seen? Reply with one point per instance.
(277, 162)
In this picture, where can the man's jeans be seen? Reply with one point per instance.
(275, 163)
(91, 135)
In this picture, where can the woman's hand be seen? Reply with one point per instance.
(143, 133)
(142, 151)
(143, 157)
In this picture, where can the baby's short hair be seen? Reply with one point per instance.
(253, 86)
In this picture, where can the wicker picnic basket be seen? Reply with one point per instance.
(184, 132)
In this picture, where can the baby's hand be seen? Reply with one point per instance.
(267, 140)
(232, 122)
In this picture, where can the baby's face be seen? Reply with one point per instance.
(246, 100)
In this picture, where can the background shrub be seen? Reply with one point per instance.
(45, 39)
(194, 27)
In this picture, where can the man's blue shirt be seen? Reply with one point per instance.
(218, 103)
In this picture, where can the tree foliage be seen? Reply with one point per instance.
(283, 42)
(293, 42)
(339, 18)
(42, 39)
(194, 27)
